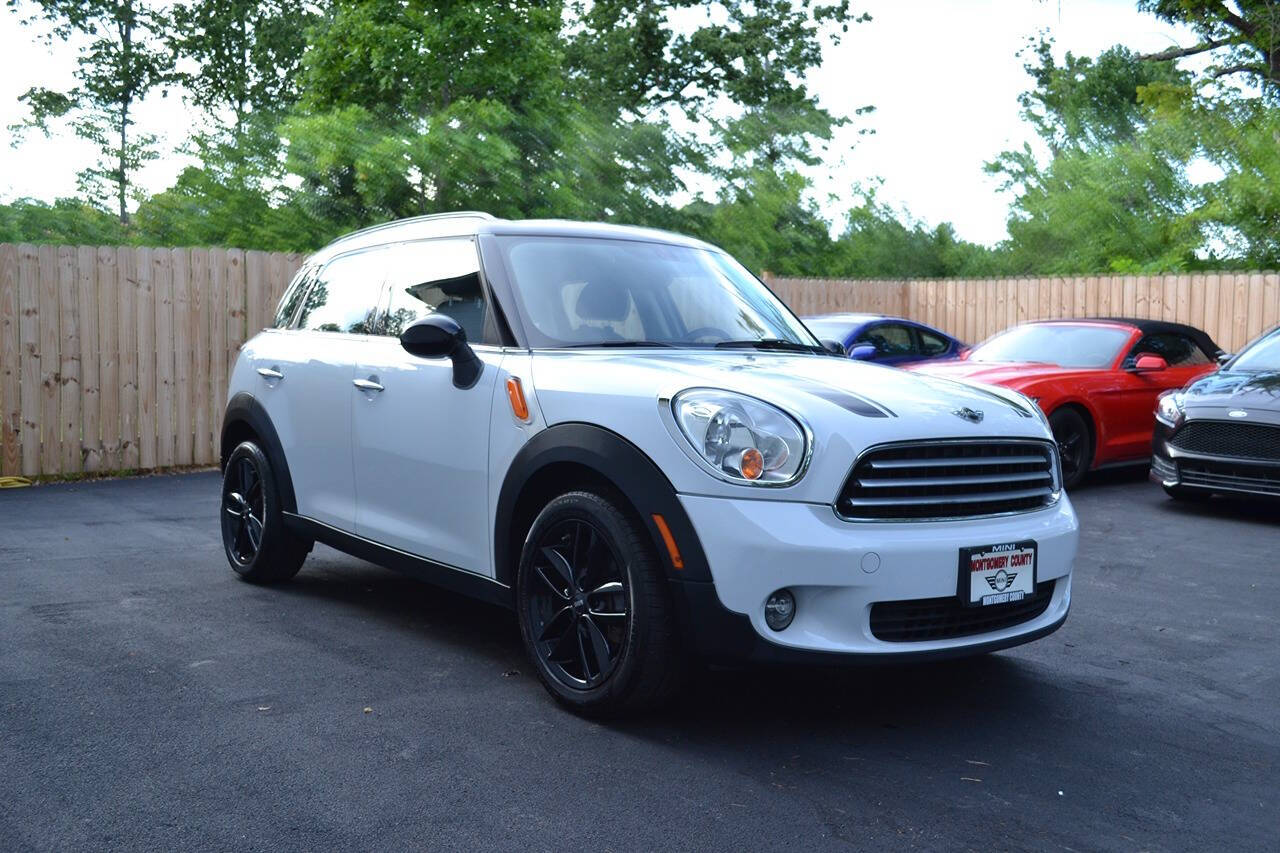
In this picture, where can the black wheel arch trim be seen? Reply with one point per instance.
(620, 462)
(245, 409)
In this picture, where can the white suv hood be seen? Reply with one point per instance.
(847, 405)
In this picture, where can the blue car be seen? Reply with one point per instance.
(885, 340)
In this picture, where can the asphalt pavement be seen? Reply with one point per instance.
(151, 700)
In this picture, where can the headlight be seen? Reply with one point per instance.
(741, 439)
(1169, 408)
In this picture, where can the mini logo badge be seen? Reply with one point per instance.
(971, 415)
(1001, 580)
(1238, 413)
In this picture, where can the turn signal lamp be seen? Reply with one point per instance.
(515, 396)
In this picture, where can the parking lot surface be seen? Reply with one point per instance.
(149, 699)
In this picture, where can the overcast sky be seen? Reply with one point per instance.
(943, 76)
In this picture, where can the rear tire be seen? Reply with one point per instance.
(595, 613)
(1075, 445)
(258, 546)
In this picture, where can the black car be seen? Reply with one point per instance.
(1222, 432)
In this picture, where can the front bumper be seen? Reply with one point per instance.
(838, 570)
(1174, 467)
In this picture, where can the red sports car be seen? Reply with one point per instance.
(1097, 380)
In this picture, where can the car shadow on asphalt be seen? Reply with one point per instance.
(888, 696)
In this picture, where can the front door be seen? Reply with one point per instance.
(1136, 393)
(421, 445)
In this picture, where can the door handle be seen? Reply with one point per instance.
(366, 385)
(270, 373)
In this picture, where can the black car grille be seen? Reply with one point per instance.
(1222, 438)
(1230, 476)
(946, 618)
(949, 479)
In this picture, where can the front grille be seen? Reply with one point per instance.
(1231, 476)
(946, 618)
(1223, 438)
(949, 479)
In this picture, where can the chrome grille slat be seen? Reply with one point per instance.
(947, 499)
(973, 480)
(895, 464)
(940, 480)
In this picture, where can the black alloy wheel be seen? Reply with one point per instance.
(578, 604)
(595, 607)
(1075, 446)
(243, 510)
(257, 544)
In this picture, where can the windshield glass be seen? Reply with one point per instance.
(830, 330)
(1055, 343)
(576, 291)
(1263, 355)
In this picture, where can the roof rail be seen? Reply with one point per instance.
(460, 214)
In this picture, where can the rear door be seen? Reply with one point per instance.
(421, 444)
(306, 385)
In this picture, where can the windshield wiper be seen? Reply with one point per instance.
(773, 344)
(602, 344)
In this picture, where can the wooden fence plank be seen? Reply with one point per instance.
(109, 358)
(236, 292)
(30, 342)
(90, 358)
(70, 455)
(129, 287)
(1257, 304)
(183, 357)
(1240, 312)
(10, 369)
(1271, 301)
(50, 361)
(1208, 321)
(146, 320)
(166, 432)
(217, 341)
(202, 447)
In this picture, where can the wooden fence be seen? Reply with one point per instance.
(1233, 308)
(116, 358)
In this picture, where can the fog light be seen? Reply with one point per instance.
(780, 609)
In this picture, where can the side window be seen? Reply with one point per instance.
(436, 277)
(889, 339)
(292, 298)
(345, 295)
(1174, 347)
(931, 344)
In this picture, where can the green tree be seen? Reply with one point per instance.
(1113, 194)
(120, 62)
(244, 55)
(1242, 37)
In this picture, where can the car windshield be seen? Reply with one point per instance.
(1062, 344)
(1264, 355)
(578, 291)
(830, 330)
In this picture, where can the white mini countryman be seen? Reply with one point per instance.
(625, 437)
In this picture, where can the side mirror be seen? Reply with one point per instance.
(863, 352)
(834, 347)
(440, 336)
(964, 352)
(1224, 357)
(1148, 363)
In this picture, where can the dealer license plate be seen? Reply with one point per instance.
(997, 574)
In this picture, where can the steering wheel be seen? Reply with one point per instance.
(706, 332)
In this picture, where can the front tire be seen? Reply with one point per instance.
(594, 610)
(1075, 445)
(258, 546)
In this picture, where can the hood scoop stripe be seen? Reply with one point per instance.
(845, 399)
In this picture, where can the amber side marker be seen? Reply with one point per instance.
(669, 541)
(515, 395)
